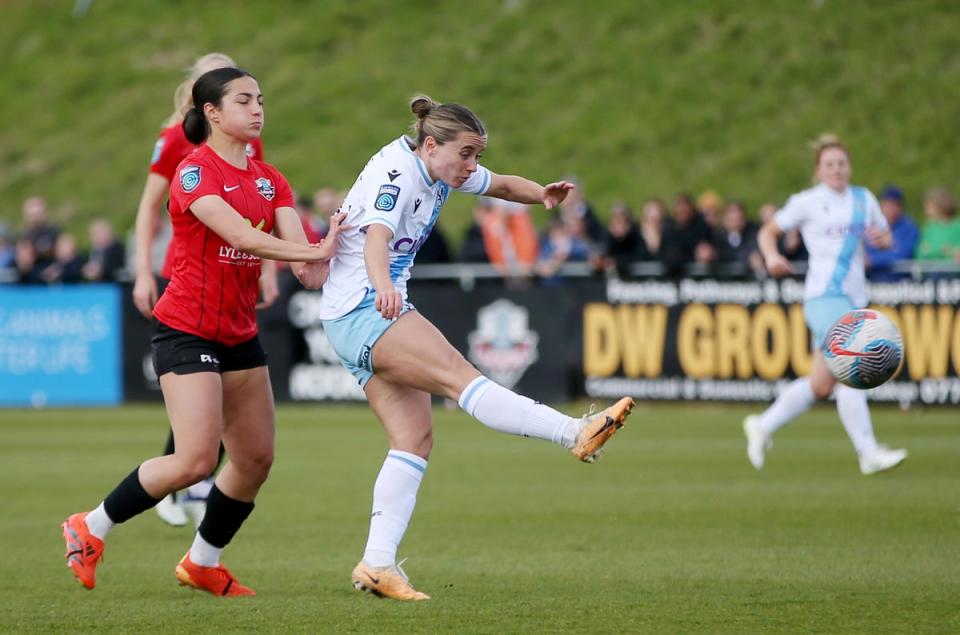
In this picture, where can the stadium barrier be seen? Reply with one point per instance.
(697, 338)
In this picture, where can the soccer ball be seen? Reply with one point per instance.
(863, 349)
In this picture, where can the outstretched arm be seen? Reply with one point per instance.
(521, 190)
(218, 215)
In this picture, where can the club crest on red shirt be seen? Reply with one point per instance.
(265, 188)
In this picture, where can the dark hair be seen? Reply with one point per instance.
(208, 89)
(443, 122)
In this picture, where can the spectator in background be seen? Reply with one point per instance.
(652, 227)
(578, 206)
(67, 266)
(789, 244)
(684, 236)
(737, 236)
(107, 254)
(326, 202)
(940, 238)
(906, 234)
(562, 243)
(472, 248)
(624, 244)
(710, 205)
(510, 239)
(38, 230)
(27, 267)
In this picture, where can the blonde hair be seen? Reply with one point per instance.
(443, 122)
(183, 96)
(826, 141)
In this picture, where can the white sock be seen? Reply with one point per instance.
(855, 415)
(201, 489)
(792, 402)
(99, 523)
(203, 553)
(394, 497)
(496, 407)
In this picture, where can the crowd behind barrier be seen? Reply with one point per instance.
(702, 236)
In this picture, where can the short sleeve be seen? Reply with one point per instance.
(792, 214)
(168, 152)
(385, 202)
(193, 180)
(478, 183)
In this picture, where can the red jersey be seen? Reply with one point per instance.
(214, 287)
(172, 147)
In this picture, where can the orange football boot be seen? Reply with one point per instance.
(598, 428)
(84, 550)
(385, 582)
(216, 580)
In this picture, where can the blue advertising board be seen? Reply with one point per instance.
(60, 346)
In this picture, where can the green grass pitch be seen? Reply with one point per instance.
(672, 532)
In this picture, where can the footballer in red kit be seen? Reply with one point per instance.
(173, 147)
(208, 269)
(212, 369)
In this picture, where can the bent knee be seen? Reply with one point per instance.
(193, 469)
(255, 465)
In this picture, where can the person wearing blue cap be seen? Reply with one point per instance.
(905, 232)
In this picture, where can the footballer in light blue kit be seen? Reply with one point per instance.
(400, 358)
(834, 218)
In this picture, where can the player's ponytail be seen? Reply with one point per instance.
(443, 122)
(195, 127)
(208, 89)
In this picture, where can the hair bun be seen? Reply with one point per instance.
(421, 105)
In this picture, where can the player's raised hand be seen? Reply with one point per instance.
(145, 294)
(329, 243)
(555, 193)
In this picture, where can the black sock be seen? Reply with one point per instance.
(169, 448)
(128, 499)
(223, 518)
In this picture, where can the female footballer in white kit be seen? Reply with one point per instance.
(834, 218)
(397, 355)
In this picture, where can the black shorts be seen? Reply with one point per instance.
(184, 353)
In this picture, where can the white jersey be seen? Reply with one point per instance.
(833, 226)
(393, 190)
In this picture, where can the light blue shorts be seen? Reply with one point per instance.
(822, 312)
(354, 334)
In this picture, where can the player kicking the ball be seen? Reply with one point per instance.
(397, 355)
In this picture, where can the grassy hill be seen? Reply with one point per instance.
(636, 98)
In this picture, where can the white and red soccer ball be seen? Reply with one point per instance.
(863, 349)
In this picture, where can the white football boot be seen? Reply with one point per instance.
(171, 512)
(757, 441)
(881, 459)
